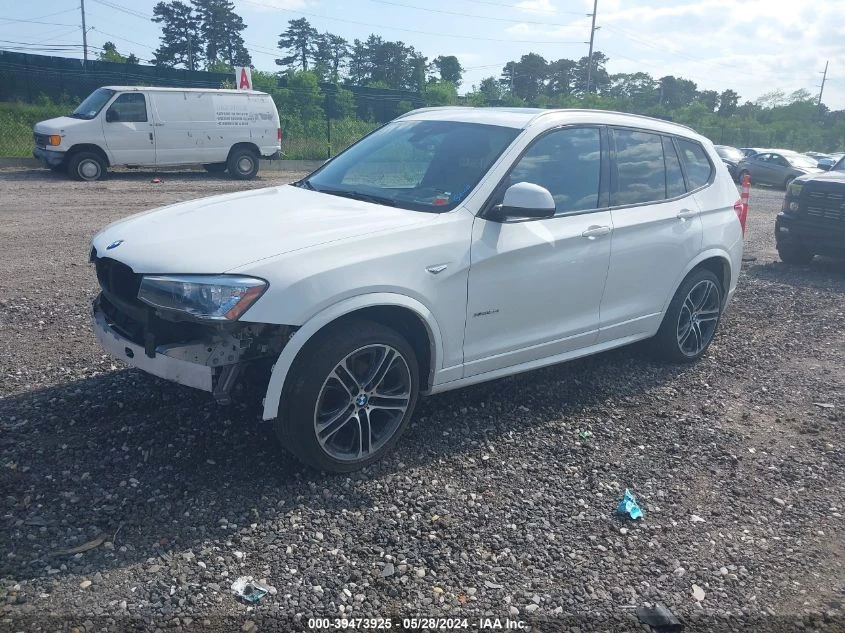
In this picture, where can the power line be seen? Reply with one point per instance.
(127, 10)
(38, 17)
(39, 22)
(471, 15)
(396, 28)
(512, 6)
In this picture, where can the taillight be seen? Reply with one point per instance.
(742, 213)
(279, 134)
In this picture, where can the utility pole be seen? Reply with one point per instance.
(824, 79)
(592, 35)
(190, 53)
(84, 32)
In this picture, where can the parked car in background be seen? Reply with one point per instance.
(829, 161)
(812, 220)
(449, 247)
(776, 167)
(223, 130)
(730, 156)
(750, 151)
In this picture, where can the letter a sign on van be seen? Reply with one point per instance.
(243, 78)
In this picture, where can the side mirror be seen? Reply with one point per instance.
(112, 116)
(524, 200)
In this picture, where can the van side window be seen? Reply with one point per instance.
(641, 173)
(128, 108)
(696, 163)
(674, 176)
(567, 162)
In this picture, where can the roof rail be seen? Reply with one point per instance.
(639, 116)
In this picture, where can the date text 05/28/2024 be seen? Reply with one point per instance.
(416, 624)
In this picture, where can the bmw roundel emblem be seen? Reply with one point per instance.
(114, 244)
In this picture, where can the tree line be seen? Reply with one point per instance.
(209, 34)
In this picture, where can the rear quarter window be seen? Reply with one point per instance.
(696, 164)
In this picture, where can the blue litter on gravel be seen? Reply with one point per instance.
(628, 505)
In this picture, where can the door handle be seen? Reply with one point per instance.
(686, 214)
(596, 231)
(151, 137)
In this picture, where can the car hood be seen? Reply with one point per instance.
(824, 176)
(58, 125)
(218, 234)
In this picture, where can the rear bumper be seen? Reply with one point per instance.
(49, 157)
(161, 365)
(821, 239)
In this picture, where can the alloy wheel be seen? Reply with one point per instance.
(362, 402)
(699, 317)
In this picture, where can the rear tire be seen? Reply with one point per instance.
(214, 168)
(86, 166)
(691, 321)
(795, 255)
(242, 163)
(349, 396)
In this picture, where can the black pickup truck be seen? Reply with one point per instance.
(812, 220)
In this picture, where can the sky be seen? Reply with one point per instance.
(750, 46)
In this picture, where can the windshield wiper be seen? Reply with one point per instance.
(304, 184)
(360, 195)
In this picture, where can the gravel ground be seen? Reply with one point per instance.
(492, 503)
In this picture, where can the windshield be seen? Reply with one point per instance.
(731, 153)
(418, 165)
(799, 160)
(92, 105)
(840, 165)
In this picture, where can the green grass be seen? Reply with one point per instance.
(16, 121)
(303, 142)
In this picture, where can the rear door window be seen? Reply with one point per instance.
(697, 165)
(675, 185)
(640, 169)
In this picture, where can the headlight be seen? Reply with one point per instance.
(214, 297)
(795, 188)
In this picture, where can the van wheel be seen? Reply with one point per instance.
(242, 163)
(86, 166)
(350, 395)
(214, 168)
(692, 319)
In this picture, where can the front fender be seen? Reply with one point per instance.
(282, 366)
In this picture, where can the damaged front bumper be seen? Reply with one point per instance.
(212, 360)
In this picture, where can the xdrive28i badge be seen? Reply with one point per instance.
(114, 244)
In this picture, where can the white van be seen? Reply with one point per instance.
(223, 130)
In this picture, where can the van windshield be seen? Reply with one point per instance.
(92, 105)
(418, 165)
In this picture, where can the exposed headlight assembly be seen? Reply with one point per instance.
(211, 297)
(795, 188)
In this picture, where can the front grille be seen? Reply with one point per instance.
(826, 205)
(41, 140)
(118, 280)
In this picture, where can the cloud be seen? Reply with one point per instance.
(270, 5)
(537, 6)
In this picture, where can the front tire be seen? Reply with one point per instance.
(692, 319)
(242, 163)
(795, 255)
(86, 166)
(349, 397)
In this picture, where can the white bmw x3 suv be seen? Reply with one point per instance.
(449, 247)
